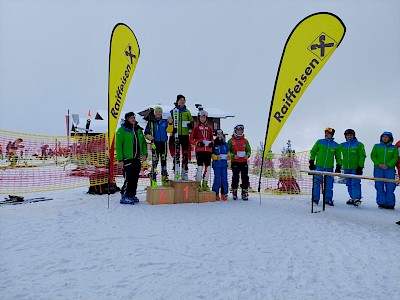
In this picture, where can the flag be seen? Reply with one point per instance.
(89, 114)
(123, 57)
(307, 49)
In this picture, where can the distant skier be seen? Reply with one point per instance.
(202, 138)
(325, 151)
(353, 157)
(157, 130)
(185, 124)
(240, 151)
(130, 147)
(220, 157)
(385, 156)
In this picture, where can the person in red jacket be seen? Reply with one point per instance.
(240, 152)
(201, 137)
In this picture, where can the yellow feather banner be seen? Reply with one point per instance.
(308, 47)
(124, 55)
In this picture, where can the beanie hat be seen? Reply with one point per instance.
(158, 108)
(129, 114)
(202, 113)
(330, 130)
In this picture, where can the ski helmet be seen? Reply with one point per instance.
(350, 131)
(330, 130)
(239, 127)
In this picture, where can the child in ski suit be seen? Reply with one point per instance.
(156, 131)
(385, 156)
(240, 151)
(220, 159)
(353, 157)
(325, 151)
(130, 147)
(185, 124)
(201, 137)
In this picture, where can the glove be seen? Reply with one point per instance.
(312, 165)
(338, 169)
(200, 144)
(359, 170)
(211, 145)
(190, 125)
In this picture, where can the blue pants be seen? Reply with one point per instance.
(317, 185)
(353, 185)
(385, 190)
(220, 180)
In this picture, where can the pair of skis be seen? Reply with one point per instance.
(15, 200)
(175, 115)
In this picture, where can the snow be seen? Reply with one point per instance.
(74, 247)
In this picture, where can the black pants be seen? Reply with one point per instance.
(131, 174)
(242, 169)
(184, 145)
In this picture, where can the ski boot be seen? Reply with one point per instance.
(350, 202)
(245, 194)
(224, 197)
(205, 187)
(234, 194)
(217, 198)
(165, 180)
(357, 202)
(134, 199)
(330, 203)
(126, 200)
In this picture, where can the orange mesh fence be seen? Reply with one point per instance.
(33, 163)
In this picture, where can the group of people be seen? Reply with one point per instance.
(210, 147)
(350, 156)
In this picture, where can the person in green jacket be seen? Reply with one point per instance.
(325, 151)
(353, 158)
(180, 137)
(130, 147)
(384, 156)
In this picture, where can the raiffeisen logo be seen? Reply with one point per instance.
(322, 46)
(120, 89)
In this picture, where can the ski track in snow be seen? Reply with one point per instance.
(75, 248)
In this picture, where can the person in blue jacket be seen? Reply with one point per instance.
(156, 131)
(384, 156)
(220, 156)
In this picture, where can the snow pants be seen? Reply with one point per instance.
(132, 169)
(240, 168)
(317, 185)
(353, 185)
(220, 179)
(385, 190)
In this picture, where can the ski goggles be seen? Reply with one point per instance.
(239, 127)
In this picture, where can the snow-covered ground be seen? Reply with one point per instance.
(74, 247)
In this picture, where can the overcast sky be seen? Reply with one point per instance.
(224, 54)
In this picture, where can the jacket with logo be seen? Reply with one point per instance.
(185, 120)
(384, 154)
(353, 154)
(200, 133)
(130, 142)
(325, 151)
(236, 145)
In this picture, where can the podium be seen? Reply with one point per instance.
(160, 195)
(205, 197)
(185, 191)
